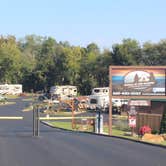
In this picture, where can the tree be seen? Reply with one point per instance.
(127, 53)
(150, 54)
(73, 60)
(92, 47)
(10, 60)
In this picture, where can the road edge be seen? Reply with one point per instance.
(141, 142)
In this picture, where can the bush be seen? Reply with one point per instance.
(163, 123)
(155, 131)
(144, 129)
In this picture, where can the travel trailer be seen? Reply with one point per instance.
(119, 102)
(64, 91)
(13, 89)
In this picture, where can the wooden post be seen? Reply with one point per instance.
(72, 121)
(132, 131)
(110, 105)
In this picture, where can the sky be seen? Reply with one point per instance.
(81, 22)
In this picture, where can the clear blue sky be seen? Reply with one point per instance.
(81, 22)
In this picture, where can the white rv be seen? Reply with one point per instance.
(98, 101)
(100, 91)
(119, 102)
(64, 91)
(99, 98)
(13, 89)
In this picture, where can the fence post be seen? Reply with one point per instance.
(93, 125)
(99, 123)
(34, 120)
(96, 124)
(37, 121)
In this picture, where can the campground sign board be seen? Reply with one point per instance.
(138, 81)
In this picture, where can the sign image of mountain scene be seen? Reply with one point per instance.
(138, 82)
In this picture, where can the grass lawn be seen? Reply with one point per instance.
(68, 126)
(61, 113)
(28, 99)
(64, 125)
(6, 103)
(115, 131)
(11, 96)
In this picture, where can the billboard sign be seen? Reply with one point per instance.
(138, 81)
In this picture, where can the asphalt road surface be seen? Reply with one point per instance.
(55, 147)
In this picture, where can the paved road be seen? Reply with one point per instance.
(62, 148)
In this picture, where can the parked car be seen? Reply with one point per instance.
(3, 98)
(42, 98)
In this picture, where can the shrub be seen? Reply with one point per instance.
(144, 129)
(163, 123)
(155, 132)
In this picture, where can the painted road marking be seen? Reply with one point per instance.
(11, 117)
(59, 118)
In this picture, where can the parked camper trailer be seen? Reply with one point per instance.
(64, 91)
(13, 89)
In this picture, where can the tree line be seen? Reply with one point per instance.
(40, 62)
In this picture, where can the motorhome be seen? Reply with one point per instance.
(98, 101)
(99, 98)
(64, 91)
(13, 89)
(100, 91)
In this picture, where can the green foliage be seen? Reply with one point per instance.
(40, 62)
(127, 53)
(10, 60)
(163, 123)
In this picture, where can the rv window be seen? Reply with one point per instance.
(93, 101)
(97, 90)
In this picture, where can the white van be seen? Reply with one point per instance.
(64, 91)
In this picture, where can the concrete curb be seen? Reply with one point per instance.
(104, 135)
